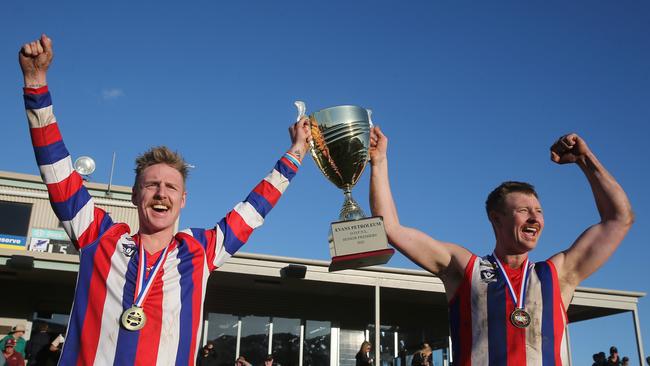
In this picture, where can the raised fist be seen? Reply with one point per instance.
(35, 58)
(569, 149)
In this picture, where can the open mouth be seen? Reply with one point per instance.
(531, 230)
(160, 208)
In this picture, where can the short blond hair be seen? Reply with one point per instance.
(160, 155)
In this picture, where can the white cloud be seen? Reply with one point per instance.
(112, 93)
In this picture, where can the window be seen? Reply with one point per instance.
(14, 218)
(317, 343)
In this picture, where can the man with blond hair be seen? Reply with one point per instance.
(139, 299)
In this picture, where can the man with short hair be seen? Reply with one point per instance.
(17, 332)
(11, 357)
(503, 309)
(38, 346)
(139, 299)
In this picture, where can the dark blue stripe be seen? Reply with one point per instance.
(199, 235)
(82, 292)
(230, 240)
(262, 206)
(50, 154)
(106, 223)
(186, 271)
(37, 101)
(284, 170)
(496, 304)
(548, 335)
(454, 325)
(127, 340)
(67, 209)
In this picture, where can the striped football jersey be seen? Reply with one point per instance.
(109, 260)
(479, 317)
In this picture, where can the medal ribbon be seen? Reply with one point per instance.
(522, 294)
(143, 283)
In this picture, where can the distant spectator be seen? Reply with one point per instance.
(421, 357)
(55, 350)
(38, 346)
(626, 361)
(17, 333)
(268, 361)
(613, 359)
(363, 356)
(11, 357)
(241, 361)
(208, 356)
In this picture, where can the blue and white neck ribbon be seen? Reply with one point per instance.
(524, 282)
(144, 282)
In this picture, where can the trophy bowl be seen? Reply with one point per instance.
(339, 146)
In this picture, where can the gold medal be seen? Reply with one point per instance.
(133, 318)
(520, 318)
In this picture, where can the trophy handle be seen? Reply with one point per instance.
(301, 107)
(370, 117)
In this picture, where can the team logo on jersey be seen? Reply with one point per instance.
(487, 270)
(128, 247)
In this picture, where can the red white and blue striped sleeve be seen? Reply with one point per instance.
(235, 228)
(71, 202)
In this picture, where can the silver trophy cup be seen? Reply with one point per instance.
(341, 139)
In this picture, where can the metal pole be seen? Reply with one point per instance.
(302, 342)
(377, 325)
(110, 180)
(237, 348)
(637, 329)
(270, 337)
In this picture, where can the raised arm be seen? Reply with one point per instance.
(446, 260)
(596, 244)
(72, 204)
(233, 231)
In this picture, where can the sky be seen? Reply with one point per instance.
(470, 94)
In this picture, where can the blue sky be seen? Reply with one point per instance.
(469, 94)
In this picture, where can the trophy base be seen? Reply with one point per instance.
(358, 243)
(357, 260)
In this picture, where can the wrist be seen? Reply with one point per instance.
(298, 151)
(35, 81)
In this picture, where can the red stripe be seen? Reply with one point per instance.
(33, 91)
(148, 341)
(46, 135)
(92, 232)
(464, 294)
(91, 328)
(289, 164)
(238, 226)
(63, 190)
(558, 311)
(268, 191)
(516, 337)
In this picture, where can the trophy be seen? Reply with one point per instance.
(341, 138)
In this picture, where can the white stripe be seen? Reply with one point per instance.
(187, 231)
(112, 313)
(204, 284)
(251, 217)
(171, 311)
(277, 180)
(40, 117)
(534, 307)
(480, 349)
(56, 172)
(82, 220)
(220, 253)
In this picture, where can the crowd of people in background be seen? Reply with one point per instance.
(42, 349)
(614, 359)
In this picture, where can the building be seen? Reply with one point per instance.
(259, 304)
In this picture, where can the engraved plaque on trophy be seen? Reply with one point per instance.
(341, 138)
